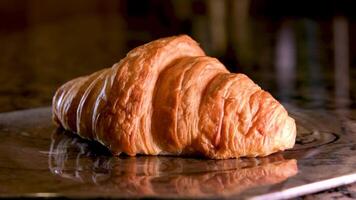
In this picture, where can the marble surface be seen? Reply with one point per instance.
(39, 160)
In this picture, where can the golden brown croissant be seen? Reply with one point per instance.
(167, 97)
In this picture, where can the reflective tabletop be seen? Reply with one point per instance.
(38, 159)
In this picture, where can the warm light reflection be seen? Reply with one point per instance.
(341, 61)
(71, 158)
(286, 60)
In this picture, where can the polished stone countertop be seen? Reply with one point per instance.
(37, 159)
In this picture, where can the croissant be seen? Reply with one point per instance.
(168, 98)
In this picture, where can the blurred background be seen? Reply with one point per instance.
(303, 52)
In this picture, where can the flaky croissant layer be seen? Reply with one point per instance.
(166, 97)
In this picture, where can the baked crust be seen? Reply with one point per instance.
(167, 97)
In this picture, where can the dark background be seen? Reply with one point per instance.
(303, 52)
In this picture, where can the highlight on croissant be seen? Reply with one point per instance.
(168, 98)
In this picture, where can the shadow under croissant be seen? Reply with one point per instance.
(72, 157)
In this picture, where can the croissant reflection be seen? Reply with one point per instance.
(70, 157)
